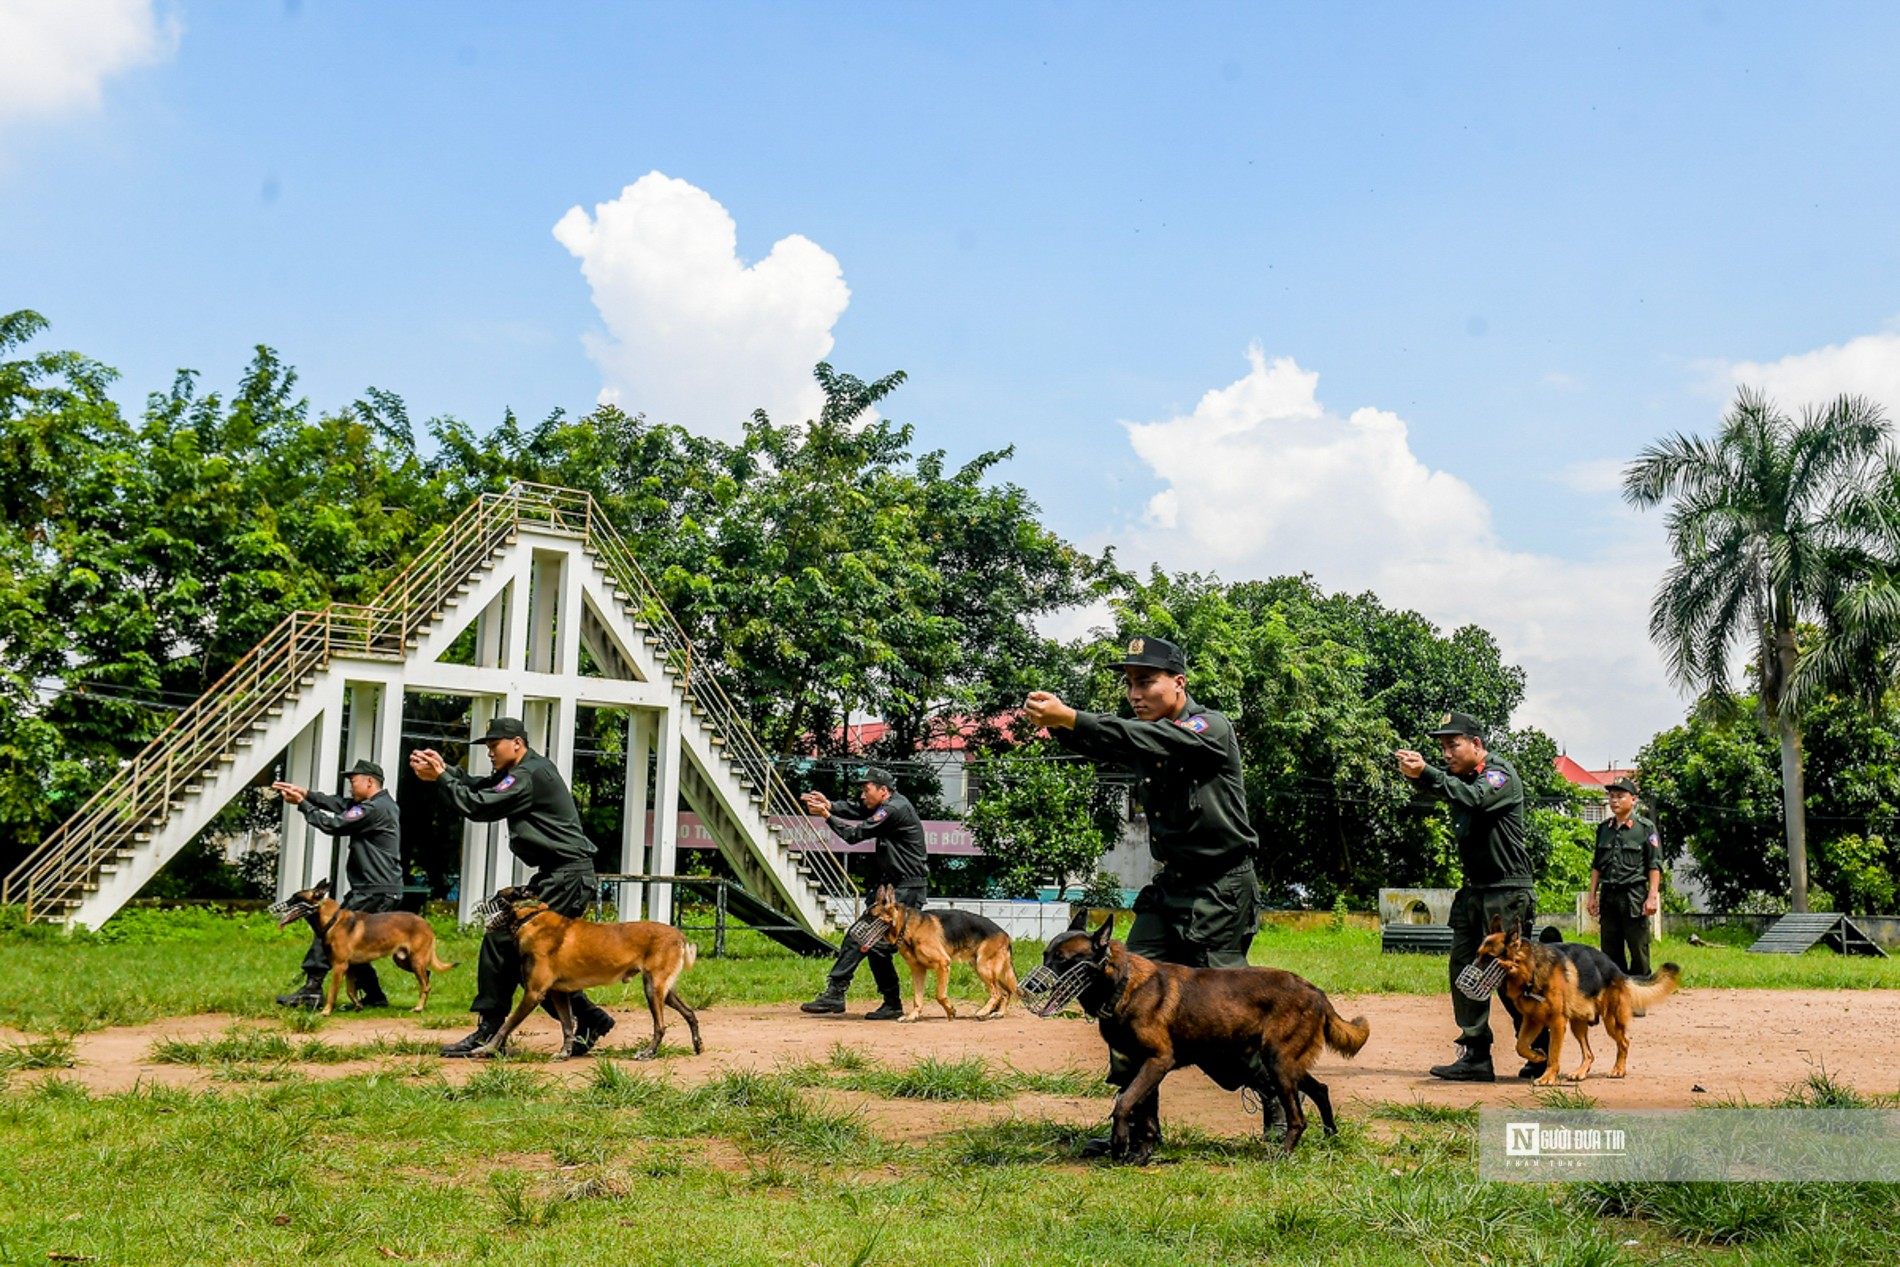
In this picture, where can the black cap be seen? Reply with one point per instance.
(877, 775)
(366, 767)
(1152, 653)
(1621, 785)
(1457, 724)
(505, 728)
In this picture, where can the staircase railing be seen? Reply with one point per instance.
(144, 792)
(147, 789)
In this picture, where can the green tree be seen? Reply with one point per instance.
(1714, 783)
(1321, 690)
(1040, 814)
(1755, 523)
(1562, 849)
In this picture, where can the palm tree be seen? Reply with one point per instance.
(1763, 526)
(1857, 653)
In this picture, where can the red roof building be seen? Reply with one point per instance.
(1595, 808)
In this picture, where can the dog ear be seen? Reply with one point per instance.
(1079, 921)
(1099, 938)
(1497, 923)
(323, 886)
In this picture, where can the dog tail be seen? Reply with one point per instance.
(1646, 992)
(1344, 1036)
(692, 955)
(438, 965)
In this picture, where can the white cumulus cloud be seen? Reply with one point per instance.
(1262, 480)
(1867, 366)
(55, 55)
(695, 335)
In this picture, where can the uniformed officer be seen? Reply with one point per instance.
(1202, 908)
(371, 823)
(1626, 880)
(885, 815)
(544, 831)
(1487, 822)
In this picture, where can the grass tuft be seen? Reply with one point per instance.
(499, 1080)
(38, 1053)
(971, 1078)
(1418, 1111)
(1563, 1098)
(516, 1202)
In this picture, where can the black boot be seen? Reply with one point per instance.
(365, 1002)
(309, 995)
(828, 1003)
(589, 1030)
(1473, 1065)
(889, 1010)
(485, 1029)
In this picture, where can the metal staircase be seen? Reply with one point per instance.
(157, 802)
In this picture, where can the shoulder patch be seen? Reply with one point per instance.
(880, 816)
(505, 784)
(354, 811)
(1653, 842)
(1196, 724)
(1496, 778)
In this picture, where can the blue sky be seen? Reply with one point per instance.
(1514, 243)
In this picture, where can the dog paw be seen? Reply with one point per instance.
(646, 1053)
(1548, 1080)
(1619, 1073)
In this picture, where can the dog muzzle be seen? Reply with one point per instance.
(1046, 993)
(1481, 982)
(493, 912)
(289, 909)
(867, 934)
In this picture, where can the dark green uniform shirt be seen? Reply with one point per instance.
(374, 830)
(544, 828)
(895, 827)
(1626, 855)
(1487, 821)
(1191, 785)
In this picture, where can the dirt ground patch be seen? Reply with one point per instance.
(1699, 1046)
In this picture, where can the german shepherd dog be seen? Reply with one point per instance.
(1569, 982)
(931, 941)
(561, 955)
(353, 937)
(1163, 1016)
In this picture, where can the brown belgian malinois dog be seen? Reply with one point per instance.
(561, 955)
(1163, 1016)
(354, 937)
(931, 941)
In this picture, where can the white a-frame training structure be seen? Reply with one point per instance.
(541, 584)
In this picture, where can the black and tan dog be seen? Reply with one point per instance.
(561, 955)
(931, 941)
(1163, 1016)
(1572, 986)
(353, 937)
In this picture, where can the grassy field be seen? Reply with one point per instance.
(147, 964)
(799, 1165)
(399, 1165)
